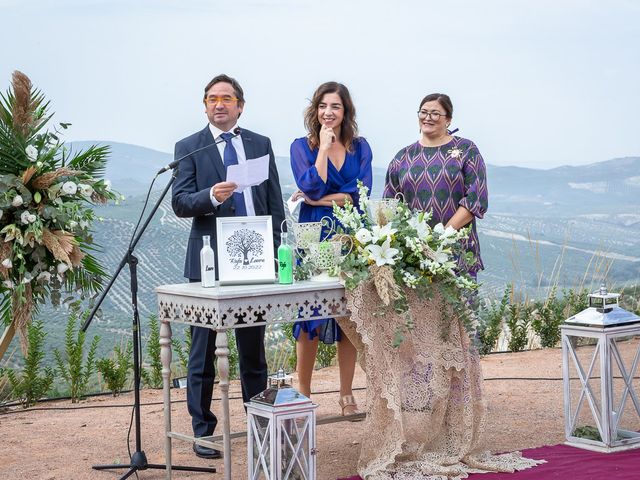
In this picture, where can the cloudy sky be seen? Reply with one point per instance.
(536, 83)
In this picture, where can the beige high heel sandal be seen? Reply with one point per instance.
(349, 401)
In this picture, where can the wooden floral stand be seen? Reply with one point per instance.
(230, 307)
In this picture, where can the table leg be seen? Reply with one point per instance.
(165, 358)
(222, 357)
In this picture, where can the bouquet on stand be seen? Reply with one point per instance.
(46, 197)
(397, 249)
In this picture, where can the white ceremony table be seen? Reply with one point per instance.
(230, 307)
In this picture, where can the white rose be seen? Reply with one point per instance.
(363, 235)
(6, 263)
(44, 276)
(24, 217)
(62, 267)
(85, 190)
(32, 218)
(17, 201)
(32, 153)
(70, 188)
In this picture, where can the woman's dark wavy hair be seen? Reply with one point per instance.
(349, 128)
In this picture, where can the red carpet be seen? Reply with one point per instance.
(564, 462)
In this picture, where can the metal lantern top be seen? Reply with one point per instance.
(604, 311)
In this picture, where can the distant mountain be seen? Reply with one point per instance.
(609, 187)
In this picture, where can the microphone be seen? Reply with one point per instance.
(170, 166)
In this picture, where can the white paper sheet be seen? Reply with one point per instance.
(252, 172)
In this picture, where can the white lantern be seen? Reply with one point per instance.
(605, 322)
(281, 435)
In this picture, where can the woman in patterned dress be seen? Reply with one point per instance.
(442, 173)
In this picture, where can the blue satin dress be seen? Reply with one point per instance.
(357, 166)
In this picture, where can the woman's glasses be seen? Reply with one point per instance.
(435, 115)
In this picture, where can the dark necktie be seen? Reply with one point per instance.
(231, 158)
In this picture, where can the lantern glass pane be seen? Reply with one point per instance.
(261, 445)
(295, 448)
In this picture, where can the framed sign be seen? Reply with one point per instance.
(245, 250)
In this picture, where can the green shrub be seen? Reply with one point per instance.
(518, 320)
(115, 369)
(549, 315)
(182, 349)
(326, 354)
(74, 370)
(491, 318)
(152, 376)
(34, 381)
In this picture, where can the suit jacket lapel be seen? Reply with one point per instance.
(250, 153)
(212, 153)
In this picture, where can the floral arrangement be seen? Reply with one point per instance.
(398, 249)
(46, 198)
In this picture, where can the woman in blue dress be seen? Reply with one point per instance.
(327, 165)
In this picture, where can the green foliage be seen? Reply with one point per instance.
(491, 318)
(518, 320)
(73, 368)
(152, 376)
(588, 432)
(287, 329)
(234, 363)
(34, 381)
(115, 369)
(549, 315)
(574, 301)
(326, 354)
(182, 349)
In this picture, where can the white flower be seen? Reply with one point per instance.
(107, 185)
(32, 153)
(32, 218)
(85, 190)
(24, 217)
(84, 224)
(44, 276)
(363, 235)
(72, 225)
(17, 201)
(70, 188)
(8, 284)
(383, 254)
(1, 213)
(421, 227)
(381, 232)
(440, 256)
(455, 152)
(62, 267)
(6, 263)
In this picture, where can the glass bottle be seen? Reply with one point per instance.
(207, 263)
(285, 260)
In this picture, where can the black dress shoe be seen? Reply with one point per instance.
(206, 452)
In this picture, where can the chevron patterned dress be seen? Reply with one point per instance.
(440, 180)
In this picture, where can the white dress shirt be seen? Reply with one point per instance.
(242, 158)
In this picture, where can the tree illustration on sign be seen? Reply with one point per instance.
(244, 242)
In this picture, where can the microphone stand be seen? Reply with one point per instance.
(138, 460)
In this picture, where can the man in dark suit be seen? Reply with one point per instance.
(201, 192)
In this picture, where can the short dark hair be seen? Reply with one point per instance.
(442, 99)
(349, 128)
(227, 79)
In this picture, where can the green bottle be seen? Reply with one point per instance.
(285, 260)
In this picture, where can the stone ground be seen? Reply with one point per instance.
(57, 440)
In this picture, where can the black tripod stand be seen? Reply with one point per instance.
(138, 459)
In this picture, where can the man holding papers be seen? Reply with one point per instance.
(227, 171)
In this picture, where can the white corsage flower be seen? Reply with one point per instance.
(6, 263)
(363, 236)
(382, 254)
(24, 217)
(32, 153)
(62, 267)
(69, 188)
(455, 152)
(17, 201)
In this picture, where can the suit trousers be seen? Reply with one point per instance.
(201, 372)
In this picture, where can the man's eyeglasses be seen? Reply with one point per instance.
(422, 114)
(226, 100)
